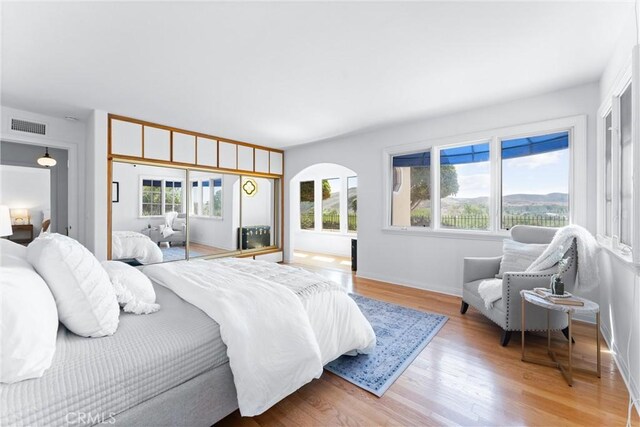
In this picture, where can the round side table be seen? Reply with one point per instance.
(589, 307)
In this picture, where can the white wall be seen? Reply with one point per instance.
(318, 241)
(619, 280)
(96, 200)
(430, 262)
(64, 134)
(27, 188)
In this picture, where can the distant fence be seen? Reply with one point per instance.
(330, 221)
(481, 222)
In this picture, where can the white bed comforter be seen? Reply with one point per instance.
(280, 324)
(130, 244)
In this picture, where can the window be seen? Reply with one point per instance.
(206, 197)
(352, 203)
(331, 204)
(535, 180)
(464, 187)
(151, 197)
(307, 205)
(159, 196)
(493, 181)
(173, 196)
(608, 176)
(195, 198)
(626, 167)
(217, 197)
(411, 193)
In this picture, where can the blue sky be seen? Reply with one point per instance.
(540, 174)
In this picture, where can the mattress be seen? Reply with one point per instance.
(93, 379)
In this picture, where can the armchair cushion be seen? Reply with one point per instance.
(518, 256)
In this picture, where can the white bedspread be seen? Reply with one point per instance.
(278, 332)
(130, 244)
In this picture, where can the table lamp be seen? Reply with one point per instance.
(20, 216)
(5, 221)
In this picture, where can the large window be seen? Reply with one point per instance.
(608, 176)
(411, 190)
(626, 168)
(331, 204)
(493, 183)
(307, 205)
(352, 203)
(535, 180)
(617, 217)
(464, 187)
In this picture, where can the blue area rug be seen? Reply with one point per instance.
(177, 253)
(402, 333)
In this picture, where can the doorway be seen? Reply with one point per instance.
(32, 192)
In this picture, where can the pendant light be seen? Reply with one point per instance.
(47, 160)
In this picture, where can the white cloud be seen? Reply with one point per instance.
(536, 161)
(475, 185)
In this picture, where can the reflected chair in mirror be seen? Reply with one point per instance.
(507, 312)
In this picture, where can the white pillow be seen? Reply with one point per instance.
(84, 296)
(133, 289)
(12, 248)
(517, 256)
(28, 321)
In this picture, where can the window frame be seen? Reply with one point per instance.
(211, 189)
(163, 180)
(575, 125)
(630, 75)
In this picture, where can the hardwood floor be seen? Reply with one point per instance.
(463, 377)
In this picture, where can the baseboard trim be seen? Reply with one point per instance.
(623, 367)
(409, 284)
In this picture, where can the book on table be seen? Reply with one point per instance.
(546, 294)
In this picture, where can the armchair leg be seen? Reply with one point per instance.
(565, 332)
(505, 338)
(463, 307)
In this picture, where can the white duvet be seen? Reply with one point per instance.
(280, 324)
(133, 245)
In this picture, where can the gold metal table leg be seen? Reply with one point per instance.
(598, 340)
(522, 329)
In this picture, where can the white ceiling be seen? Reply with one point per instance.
(282, 74)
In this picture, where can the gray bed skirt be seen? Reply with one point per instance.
(201, 401)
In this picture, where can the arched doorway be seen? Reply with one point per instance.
(323, 212)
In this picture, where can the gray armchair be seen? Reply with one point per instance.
(506, 312)
(179, 236)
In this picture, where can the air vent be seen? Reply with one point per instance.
(30, 127)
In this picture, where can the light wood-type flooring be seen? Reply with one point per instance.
(463, 377)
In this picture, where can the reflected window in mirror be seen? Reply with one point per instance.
(214, 213)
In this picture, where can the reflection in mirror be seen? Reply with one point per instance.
(214, 213)
(258, 208)
(148, 222)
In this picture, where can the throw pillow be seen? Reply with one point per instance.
(517, 256)
(86, 302)
(133, 289)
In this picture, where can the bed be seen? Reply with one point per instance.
(172, 367)
(169, 368)
(131, 245)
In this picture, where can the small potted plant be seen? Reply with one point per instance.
(557, 285)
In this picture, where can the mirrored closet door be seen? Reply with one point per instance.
(148, 213)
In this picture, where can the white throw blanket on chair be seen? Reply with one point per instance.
(587, 247)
